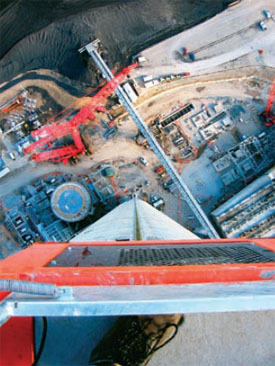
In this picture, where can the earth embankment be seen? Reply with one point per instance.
(47, 34)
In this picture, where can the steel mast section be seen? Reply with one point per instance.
(46, 135)
(91, 48)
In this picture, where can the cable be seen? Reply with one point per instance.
(42, 343)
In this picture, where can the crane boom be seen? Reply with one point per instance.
(182, 187)
(271, 97)
(12, 104)
(267, 113)
(47, 134)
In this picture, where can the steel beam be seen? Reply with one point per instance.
(144, 300)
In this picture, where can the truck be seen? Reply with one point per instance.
(147, 78)
(159, 203)
(156, 201)
(141, 59)
(4, 172)
(143, 161)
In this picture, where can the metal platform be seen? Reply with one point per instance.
(162, 255)
(121, 277)
(114, 278)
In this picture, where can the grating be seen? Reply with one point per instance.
(159, 255)
(180, 256)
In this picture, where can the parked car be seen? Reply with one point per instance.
(159, 203)
(143, 161)
(22, 230)
(27, 237)
(178, 140)
(156, 201)
(262, 25)
(18, 221)
(267, 14)
(167, 184)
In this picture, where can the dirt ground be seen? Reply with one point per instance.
(47, 34)
(62, 90)
(123, 145)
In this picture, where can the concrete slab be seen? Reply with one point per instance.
(202, 179)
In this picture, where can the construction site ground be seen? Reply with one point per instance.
(231, 39)
(252, 96)
(199, 174)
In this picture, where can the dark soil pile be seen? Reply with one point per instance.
(47, 34)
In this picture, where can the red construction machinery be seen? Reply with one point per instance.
(267, 113)
(12, 104)
(46, 137)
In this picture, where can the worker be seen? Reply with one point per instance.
(133, 340)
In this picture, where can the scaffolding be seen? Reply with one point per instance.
(251, 212)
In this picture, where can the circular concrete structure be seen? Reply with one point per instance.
(71, 202)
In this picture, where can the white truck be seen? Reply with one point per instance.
(4, 172)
